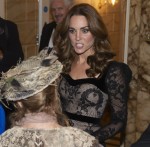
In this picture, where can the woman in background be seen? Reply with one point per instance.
(91, 79)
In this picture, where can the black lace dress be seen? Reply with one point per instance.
(84, 100)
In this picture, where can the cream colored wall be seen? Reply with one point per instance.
(114, 18)
(25, 14)
(2, 13)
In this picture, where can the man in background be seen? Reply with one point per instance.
(58, 9)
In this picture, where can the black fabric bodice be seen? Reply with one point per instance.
(84, 100)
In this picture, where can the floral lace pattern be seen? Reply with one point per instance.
(88, 97)
(60, 137)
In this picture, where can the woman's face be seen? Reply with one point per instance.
(80, 36)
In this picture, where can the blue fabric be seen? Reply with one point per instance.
(2, 119)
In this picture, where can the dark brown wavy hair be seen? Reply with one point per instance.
(102, 48)
(46, 101)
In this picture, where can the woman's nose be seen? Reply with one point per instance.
(78, 35)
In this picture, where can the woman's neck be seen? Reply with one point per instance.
(48, 125)
(40, 120)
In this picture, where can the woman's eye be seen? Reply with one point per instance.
(85, 30)
(71, 31)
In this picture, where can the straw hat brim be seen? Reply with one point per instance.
(30, 77)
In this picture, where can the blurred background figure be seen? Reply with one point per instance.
(10, 47)
(11, 51)
(58, 9)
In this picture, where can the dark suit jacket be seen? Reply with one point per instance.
(46, 34)
(11, 50)
(10, 45)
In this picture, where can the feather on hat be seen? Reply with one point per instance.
(30, 77)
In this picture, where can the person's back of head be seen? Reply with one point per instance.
(29, 86)
(45, 101)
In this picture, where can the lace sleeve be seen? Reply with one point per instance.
(117, 85)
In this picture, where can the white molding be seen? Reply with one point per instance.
(126, 47)
(43, 15)
(40, 19)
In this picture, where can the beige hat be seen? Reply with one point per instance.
(30, 77)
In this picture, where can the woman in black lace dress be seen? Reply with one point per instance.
(90, 78)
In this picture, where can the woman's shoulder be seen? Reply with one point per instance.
(76, 131)
(11, 132)
(118, 65)
(121, 68)
(7, 137)
(81, 136)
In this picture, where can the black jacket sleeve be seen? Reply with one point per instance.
(10, 46)
(46, 34)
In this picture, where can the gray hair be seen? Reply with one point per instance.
(67, 2)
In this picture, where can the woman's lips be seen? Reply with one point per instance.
(79, 45)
